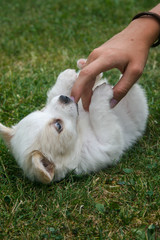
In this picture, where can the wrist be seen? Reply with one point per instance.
(151, 16)
(145, 30)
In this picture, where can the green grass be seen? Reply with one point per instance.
(39, 39)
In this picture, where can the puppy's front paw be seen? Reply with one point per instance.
(101, 97)
(104, 92)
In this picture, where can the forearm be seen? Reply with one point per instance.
(156, 9)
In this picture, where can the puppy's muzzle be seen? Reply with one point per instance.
(65, 100)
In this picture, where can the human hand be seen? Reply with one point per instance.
(126, 51)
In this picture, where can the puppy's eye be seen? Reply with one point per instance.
(58, 126)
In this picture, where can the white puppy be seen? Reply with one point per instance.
(62, 137)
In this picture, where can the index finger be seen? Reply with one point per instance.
(88, 75)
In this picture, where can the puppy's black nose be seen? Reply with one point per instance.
(64, 99)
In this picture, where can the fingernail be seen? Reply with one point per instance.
(113, 102)
(72, 99)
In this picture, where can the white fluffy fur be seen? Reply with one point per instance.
(88, 142)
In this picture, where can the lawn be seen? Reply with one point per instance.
(38, 40)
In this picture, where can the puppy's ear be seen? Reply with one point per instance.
(6, 133)
(43, 169)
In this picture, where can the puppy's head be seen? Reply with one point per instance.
(40, 141)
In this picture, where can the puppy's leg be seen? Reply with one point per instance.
(103, 120)
(63, 84)
(105, 126)
(100, 101)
